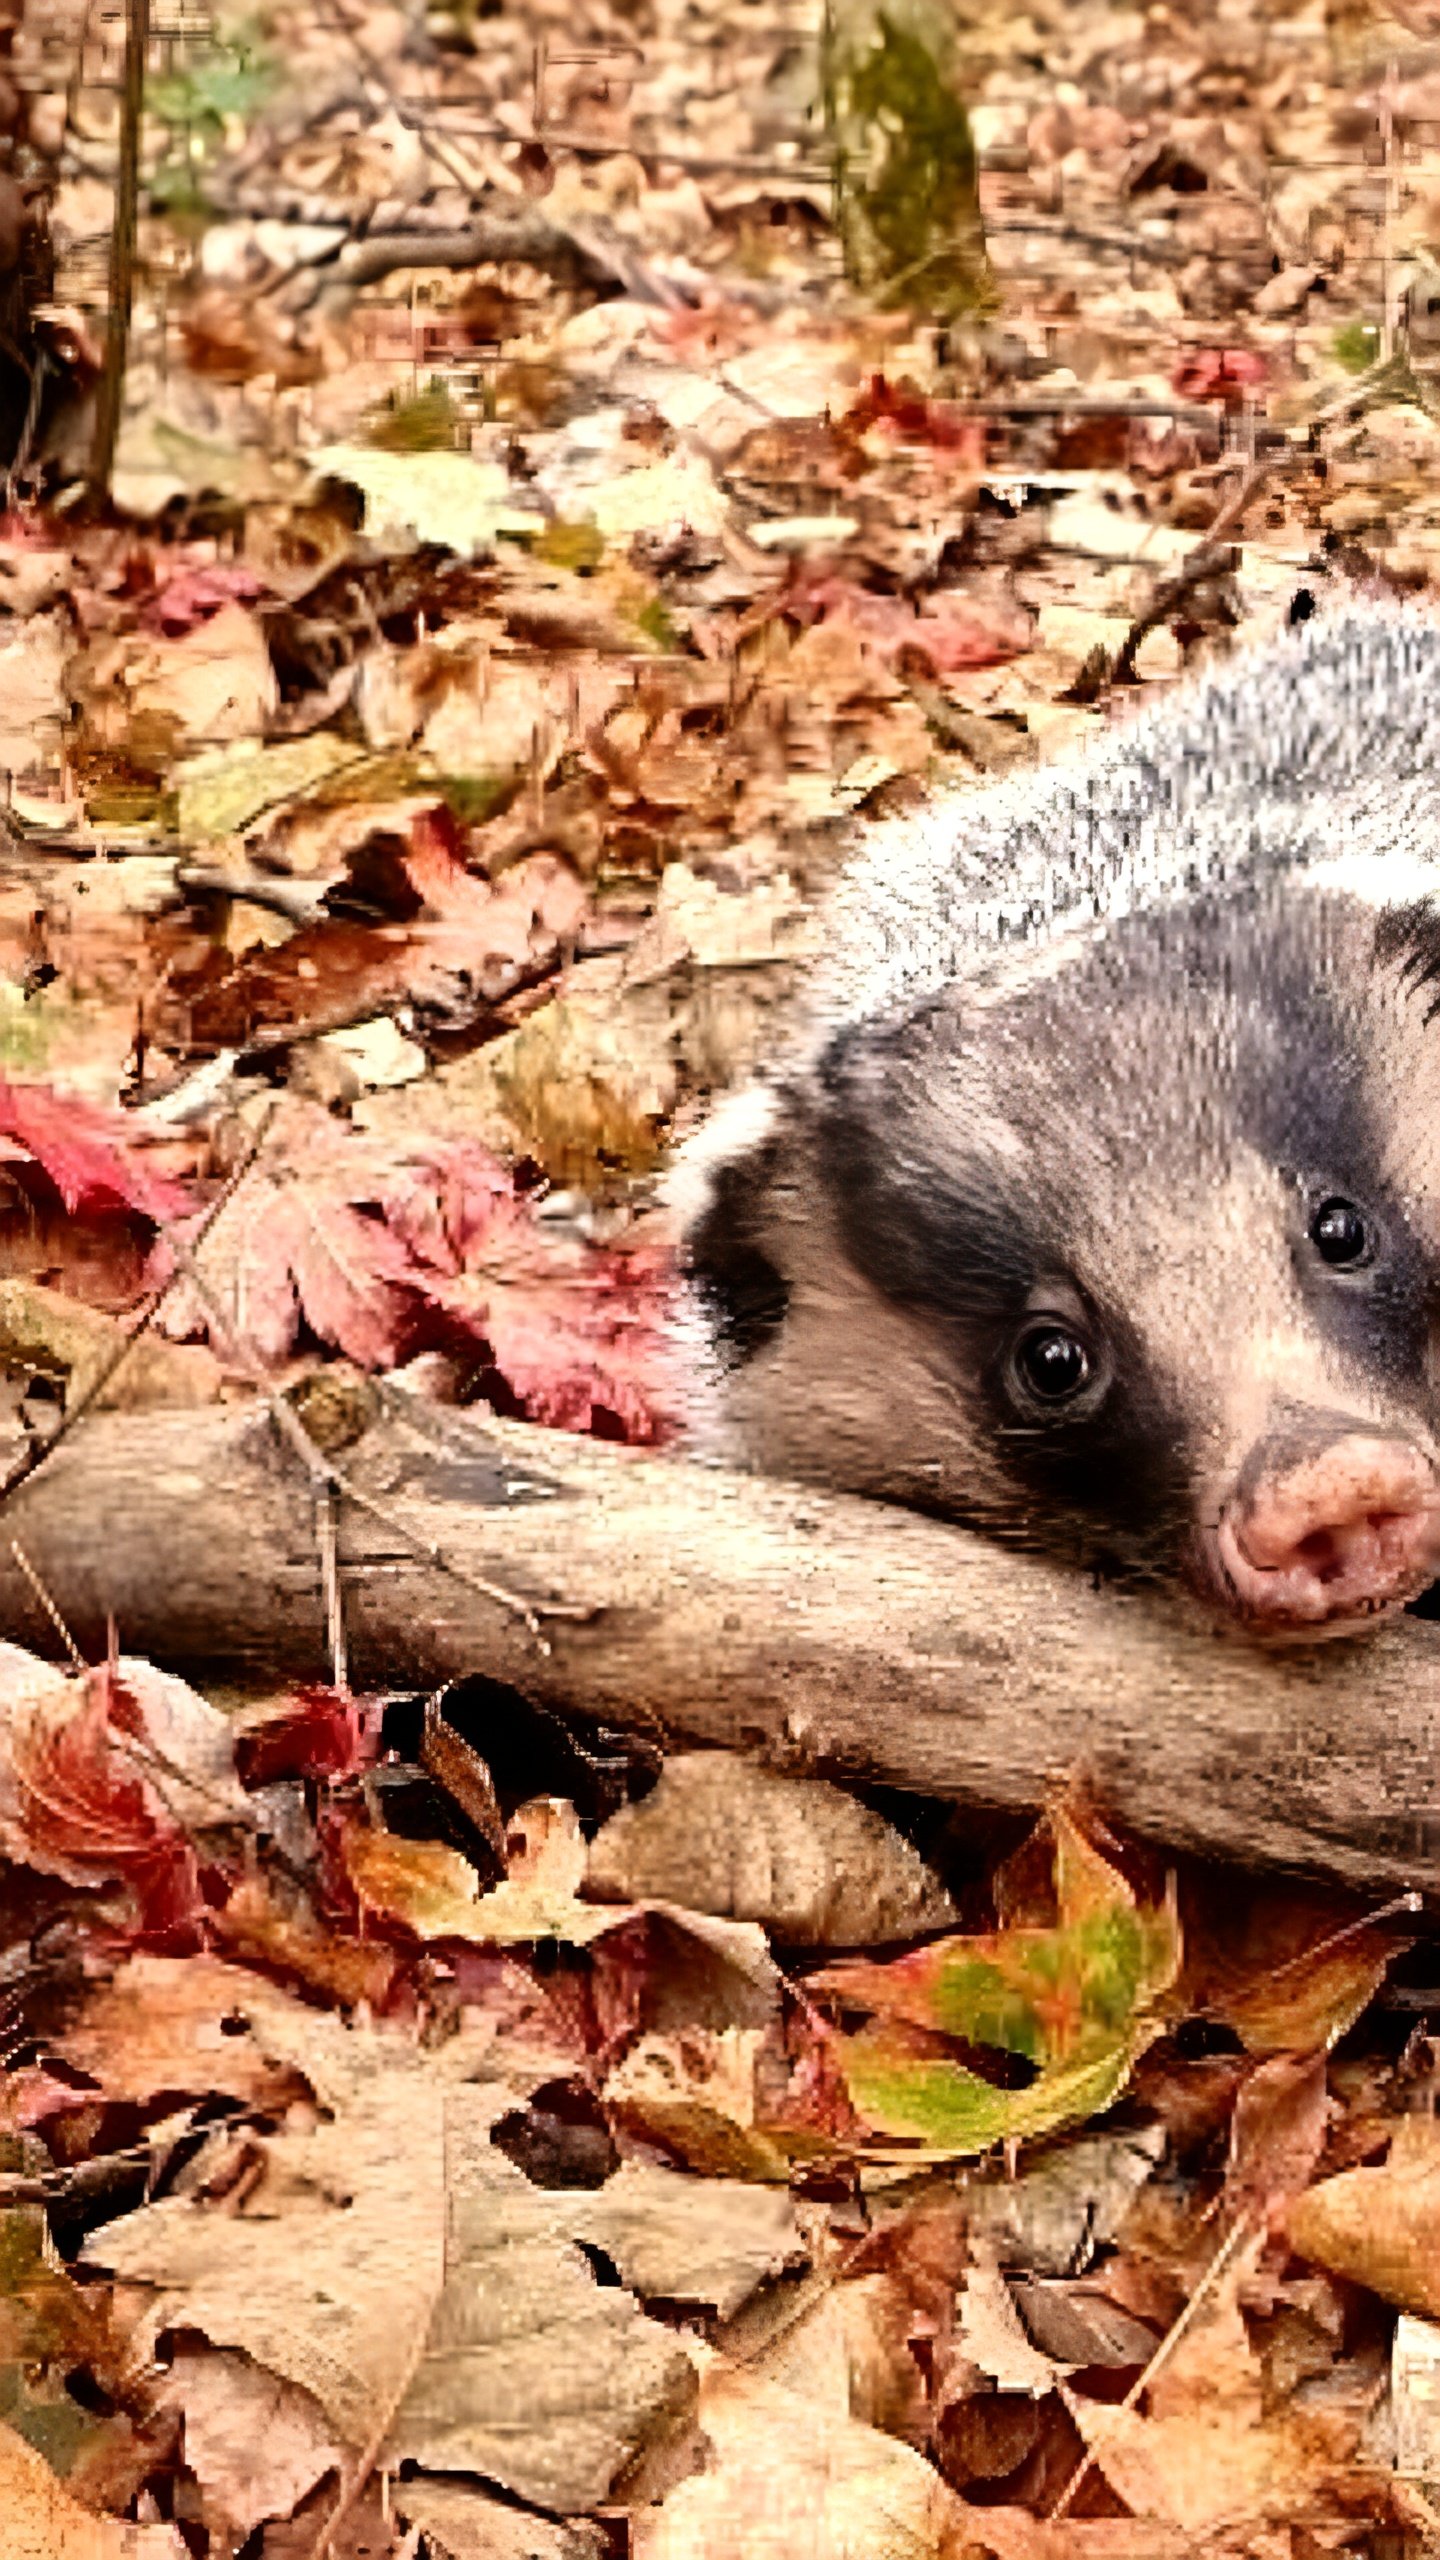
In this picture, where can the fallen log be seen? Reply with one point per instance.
(826, 1632)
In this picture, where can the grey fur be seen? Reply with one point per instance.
(1320, 748)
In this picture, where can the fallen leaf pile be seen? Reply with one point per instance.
(418, 2163)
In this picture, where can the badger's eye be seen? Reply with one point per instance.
(1340, 1235)
(1052, 1363)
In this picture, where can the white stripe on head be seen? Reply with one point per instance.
(738, 1126)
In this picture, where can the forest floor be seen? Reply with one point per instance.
(425, 2129)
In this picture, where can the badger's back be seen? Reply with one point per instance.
(1315, 752)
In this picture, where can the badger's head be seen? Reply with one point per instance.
(1134, 1257)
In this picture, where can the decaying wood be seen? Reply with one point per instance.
(828, 1632)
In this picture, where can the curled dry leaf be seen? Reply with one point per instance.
(309, 1733)
(103, 1776)
(463, 2522)
(1277, 2133)
(255, 1928)
(1078, 2322)
(434, 1892)
(1380, 2227)
(707, 2097)
(800, 1856)
(693, 2240)
(992, 2335)
(1073, 2198)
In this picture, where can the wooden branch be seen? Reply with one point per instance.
(825, 1631)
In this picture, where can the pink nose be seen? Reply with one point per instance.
(1353, 1529)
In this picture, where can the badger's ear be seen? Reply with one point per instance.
(878, 1077)
(877, 1057)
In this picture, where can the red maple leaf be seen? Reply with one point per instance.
(311, 1733)
(85, 1810)
(578, 1332)
(1217, 373)
(914, 419)
(385, 1260)
(311, 1255)
(84, 1154)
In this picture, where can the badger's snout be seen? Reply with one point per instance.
(1320, 1541)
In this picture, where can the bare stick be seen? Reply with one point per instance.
(47, 1604)
(111, 394)
(1228, 2250)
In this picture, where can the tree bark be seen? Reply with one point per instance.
(824, 1631)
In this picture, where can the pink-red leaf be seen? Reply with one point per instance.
(316, 1256)
(577, 1331)
(84, 1153)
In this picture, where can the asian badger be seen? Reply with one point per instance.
(1097, 1200)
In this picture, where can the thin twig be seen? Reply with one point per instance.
(37, 1453)
(330, 1585)
(1087, 404)
(1227, 2252)
(110, 396)
(701, 164)
(49, 1606)
(1388, 216)
(1212, 554)
(1135, 244)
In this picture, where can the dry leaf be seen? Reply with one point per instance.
(39, 2519)
(450, 2296)
(231, 2406)
(1380, 2227)
(214, 683)
(788, 2482)
(991, 2334)
(689, 2240)
(800, 1856)
(462, 2522)
(1213, 2455)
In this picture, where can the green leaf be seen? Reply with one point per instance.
(951, 2109)
(1075, 1999)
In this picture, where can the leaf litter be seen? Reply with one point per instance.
(452, 737)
